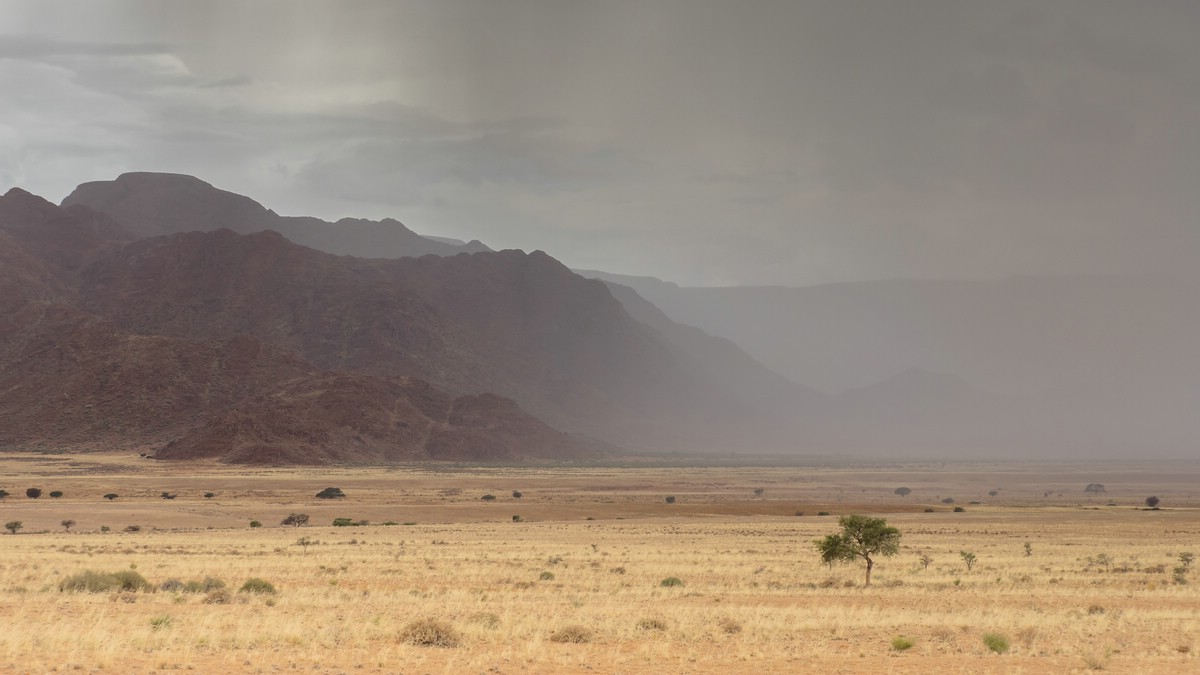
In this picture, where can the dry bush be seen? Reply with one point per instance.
(651, 623)
(430, 633)
(573, 634)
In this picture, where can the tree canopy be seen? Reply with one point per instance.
(862, 537)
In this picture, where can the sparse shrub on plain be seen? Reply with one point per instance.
(729, 626)
(546, 576)
(996, 642)
(671, 499)
(33, 493)
(209, 495)
(160, 622)
(651, 623)
(133, 528)
(517, 494)
(258, 587)
(758, 492)
(331, 493)
(573, 634)
(171, 586)
(3, 494)
(111, 496)
(488, 498)
(13, 525)
(1092, 488)
(516, 519)
(959, 509)
(948, 500)
(925, 560)
(671, 582)
(485, 619)
(99, 582)
(823, 513)
(304, 543)
(901, 644)
(430, 633)
(255, 523)
(1028, 549)
(220, 596)
(343, 522)
(207, 585)
(902, 491)
(968, 559)
(56, 494)
(169, 495)
(1152, 502)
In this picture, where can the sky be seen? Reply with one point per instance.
(707, 143)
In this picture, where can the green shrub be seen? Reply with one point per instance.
(56, 494)
(208, 585)
(331, 493)
(959, 509)
(516, 519)
(546, 576)
(255, 523)
(901, 643)
(209, 495)
(111, 496)
(258, 586)
(160, 622)
(430, 633)
(996, 642)
(99, 582)
(671, 582)
(822, 513)
(488, 498)
(517, 494)
(671, 499)
(171, 586)
(343, 522)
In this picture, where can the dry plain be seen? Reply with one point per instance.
(1100, 586)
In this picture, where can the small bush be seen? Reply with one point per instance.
(99, 582)
(546, 576)
(517, 494)
(257, 586)
(652, 624)
(208, 585)
(959, 509)
(221, 596)
(13, 526)
(729, 626)
(996, 642)
(171, 586)
(111, 496)
(33, 493)
(331, 493)
(56, 494)
(928, 510)
(160, 622)
(343, 522)
(822, 513)
(671, 500)
(488, 498)
(516, 519)
(948, 500)
(671, 582)
(573, 634)
(901, 644)
(169, 495)
(133, 528)
(255, 523)
(430, 633)
(209, 495)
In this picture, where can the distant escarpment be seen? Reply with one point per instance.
(154, 204)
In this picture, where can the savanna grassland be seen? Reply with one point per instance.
(1062, 581)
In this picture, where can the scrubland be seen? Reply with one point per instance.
(577, 584)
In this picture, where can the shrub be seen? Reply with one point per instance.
(929, 510)
(758, 492)
(255, 523)
(901, 644)
(56, 494)
(295, 519)
(1092, 488)
(488, 498)
(671, 582)
(209, 495)
(822, 513)
(111, 496)
(67, 524)
(98, 582)
(517, 494)
(220, 596)
(169, 495)
(331, 493)
(105, 528)
(160, 622)
(3, 494)
(959, 509)
(171, 586)
(430, 633)
(729, 626)
(573, 634)
(948, 500)
(33, 493)
(902, 491)
(968, 559)
(996, 642)
(342, 522)
(133, 528)
(13, 526)
(652, 624)
(671, 499)
(1152, 502)
(208, 585)
(546, 576)
(516, 519)
(257, 586)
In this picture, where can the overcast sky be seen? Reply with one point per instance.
(703, 142)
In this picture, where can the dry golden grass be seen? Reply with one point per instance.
(755, 597)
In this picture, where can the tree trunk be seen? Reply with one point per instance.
(870, 564)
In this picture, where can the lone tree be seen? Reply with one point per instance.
(902, 491)
(1152, 502)
(295, 519)
(67, 525)
(861, 537)
(13, 526)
